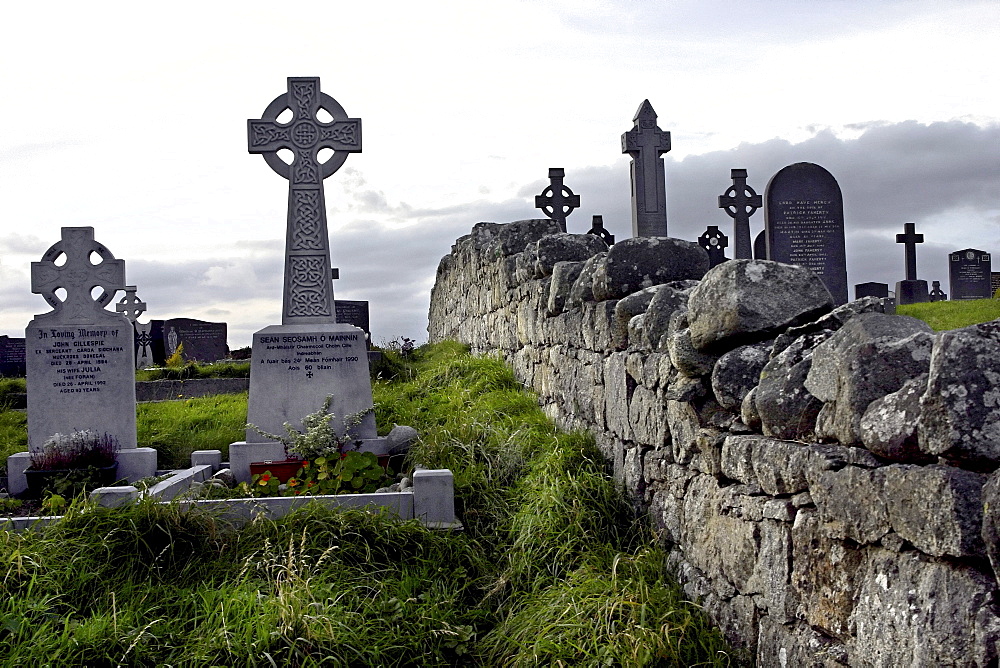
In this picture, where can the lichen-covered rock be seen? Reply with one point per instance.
(830, 322)
(748, 411)
(852, 503)
(785, 407)
(668, 299)
(564, 275)
(869, 357)
(565, 248)
(583, 288)
(746, 301)
(889, 425)
(960, 412)
(686, 359)
(737, 372)
(937, 508)
(627, 308)
(504, 240)
(641, 262)
(991, 520)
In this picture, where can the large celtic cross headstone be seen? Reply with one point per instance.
(646, 143)
(740, 201)
(557, 201)
(77, 265)
(308, 290)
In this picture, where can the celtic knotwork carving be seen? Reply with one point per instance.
(265, 134)
(308, 290)
(304, 93)
(306, 234)
(304, 170)
(344, 133)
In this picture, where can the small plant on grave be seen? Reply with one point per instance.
(75, 450)
(320, 438)
(352, 473)
(55, 504)
(176, 360)
(262, 484)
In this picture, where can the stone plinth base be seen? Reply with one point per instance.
(133, 464)
(242, 454)
(912, 292)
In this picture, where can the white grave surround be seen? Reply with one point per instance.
(293, 369)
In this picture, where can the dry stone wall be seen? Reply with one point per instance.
(824, 477)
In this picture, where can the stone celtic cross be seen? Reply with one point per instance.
(741, 201)
(597, 229)
(910, 239)
(714, 242)
(557, 201)
(131, 305)
(308, 287)
(646, 143)
(86, 265)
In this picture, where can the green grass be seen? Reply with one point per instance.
(551, 569)
(178, 428)
(952, 315)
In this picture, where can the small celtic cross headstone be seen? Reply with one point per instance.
(714, 242)
(910, 239)
(308, 290)
(646, 143)
(130, 305)
(597, 229)
(740, 201)
(557, 201)
(937, 294)
(86, 265)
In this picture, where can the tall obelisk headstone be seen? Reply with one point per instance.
(646, 143)
(80, 365)
(295, 365)
(804, 224)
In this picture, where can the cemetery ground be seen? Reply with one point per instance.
(551, 567)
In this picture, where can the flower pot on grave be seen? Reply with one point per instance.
(282, 469)
(41, 480)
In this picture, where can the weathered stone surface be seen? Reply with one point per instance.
(796, 644)
(991, 520)
(524, 264)
(852, 503)
(641, 262)
(565, 248)
(937, 508)
(583, 288)
(627, 308)
(737, 372)
(869, 357)
(513, 237)
(745, 301)
(647, 415)
(748, 411)
(889, 425)
(786, 408)
(564, 275)
(960, 412)
(685, 358)
(668, 298)
(830, 322)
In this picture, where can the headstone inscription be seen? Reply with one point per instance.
(597, 229)
(994, 282)
(740, 201)
(804, 224)
(354, 312)
(911, 290)
(11, 357)
(969, 273)
(871, 289)
(937, 294)
(557, 201)
(203, 341)
(80, 366)
(714, 242)
(132, 307)
(309, 356)
(646, 143)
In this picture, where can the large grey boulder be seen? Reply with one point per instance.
(737, 372)
(785, 408)
(641, 262)
(960, 412)
(889, 426)
(564, 275)
(745, 301)
(565, 248)
(869, 357)
(583, 288)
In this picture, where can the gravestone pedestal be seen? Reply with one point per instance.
(912, 292)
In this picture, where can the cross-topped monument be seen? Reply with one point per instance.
(77, 275)
(912, 290)
(308, 290)
(646, 143)
(557, 201)
(740, 201)
(130, 305)
(597, 229)
(714, 242)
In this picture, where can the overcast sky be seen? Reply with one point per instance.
(131, 118)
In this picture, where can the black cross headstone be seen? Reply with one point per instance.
(308, 290)
(937, 294)
(740, 201)
(646, 143)
(597, 229)
(910, 238)
(557, 201)
(714, 241)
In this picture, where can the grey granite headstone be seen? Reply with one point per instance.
(11, 357)
(203, 341)
(354, 312)
(81, 373)
(911, 290)
(871, 289)
(804, 224)
(741, 201)
(714, 242)
(295, 365)
(969, 273)
(557, 201)
(937, 294)
(646, 143)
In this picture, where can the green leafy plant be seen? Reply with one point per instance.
(177, 359)
(352, 473)
(320, 438)
(55, 504)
